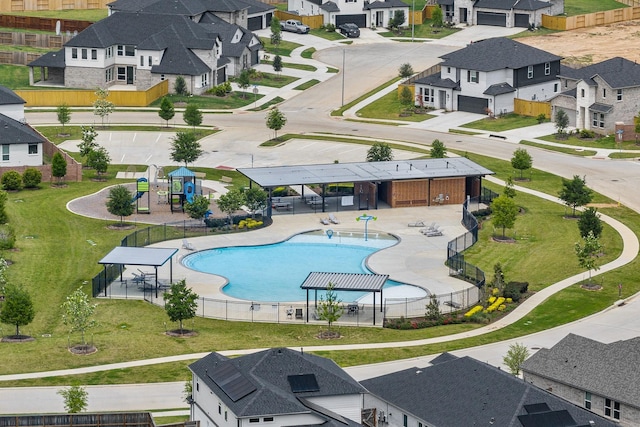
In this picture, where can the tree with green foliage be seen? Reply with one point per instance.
(379, 152)
(244, 81)
(192, 116)
(575, 193)
(398, 20)
(4, 218)
(508, 190)
(276, 32)
(406, 97)
(78, 313)
(167, 110)
(521, 160)
(276, 120)
(99, 160)
(7, 237)
(31, 178)
(58, 166)
(590, 222)
(180, 303)
(11, 181)
(562, 122)
(437, 18)
(498, 277)
(255, 199)
(588, 252)
(277, 64)
(330, 307)
(515, 357)
(198, 208)
(432, 309)
(88, 143)
(119, 202)
(230, 202)
(503, 212)
(102, 106)
(405, 71)
(185, 148)
(438, 150)
(75, 399)
(64, 114)
(17, 308)
(180, 86)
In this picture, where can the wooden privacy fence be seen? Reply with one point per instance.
(410, 82)
(531, 108)
(18, 58)
(50, 41)
(595, 19)
(86, 97)
(312, 21)
(34, 5)
(41, 24)
(130, 419)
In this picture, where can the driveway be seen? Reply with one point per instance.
(476, 33)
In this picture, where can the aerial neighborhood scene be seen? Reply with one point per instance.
(380, 213)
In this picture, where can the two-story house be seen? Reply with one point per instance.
(597, 96)
(485, 77)
(363, 13)
(20, 144)
(602, 378)
(502, 13)
(275, 387)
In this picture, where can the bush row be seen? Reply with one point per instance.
(13, 181)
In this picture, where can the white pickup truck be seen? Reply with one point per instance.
(294, 26)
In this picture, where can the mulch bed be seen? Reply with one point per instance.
(17, 338)
(329, 335)
(184, 333)
(500, 239)
(83, 349)
(591, 287)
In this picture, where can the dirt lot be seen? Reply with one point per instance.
(590, 45)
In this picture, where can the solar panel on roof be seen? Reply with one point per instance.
(303, 383)
(231, 381)
(547, 419)
(537, 407)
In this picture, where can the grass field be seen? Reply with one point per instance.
(502, 123)
(389, 107)
(424, 30)
(565, 150)
(329, 35)
(580, 7)
(16, 76)
(307, 84)
(232, 100)
(601, 142)
(345, 107)
(273, 80)
(283, 49)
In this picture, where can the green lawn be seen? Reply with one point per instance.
(273, 80)
(580, 7)
(29, 49)
(212, 102)
(345, 107)
(92, 15)
(499, 124)
(624, 155)
(572, 151)
(268, 104)
(389, 107)
(424, 31)
(304, 67)
(283, 49)
(307, 85)
(16, 76)
(329, 35)
(601, 142)
(308, 53)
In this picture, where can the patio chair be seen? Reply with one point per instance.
(139, 279)
(145, 274)
(433, 233)
(428, 230)
(187, 245)
(325, 221)
(416, 224)
(333, 219)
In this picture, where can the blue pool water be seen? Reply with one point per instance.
(275, 272)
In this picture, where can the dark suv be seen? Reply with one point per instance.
(350, 30)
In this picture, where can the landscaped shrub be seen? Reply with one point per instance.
(473, 311)
(32, 178)
(11, 181)
(586, 133)
(514, 290)
(330, 28)
(494, 306)
(541, 118)
(7, 237)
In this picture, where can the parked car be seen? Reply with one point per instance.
(350, 29)
(294, 26)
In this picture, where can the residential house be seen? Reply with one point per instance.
(360, 12)
(602, 378)
(502, 13)
(20, 144)
(275, 387)
(466, 392)
(597, 96)
(487, 76)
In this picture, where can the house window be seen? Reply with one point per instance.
(161, 77)
(150, 61)
(129, 51)
(555, 87)
(5, 153)
(204, 80)
(94, 54)
(254, 420)
(530, 72)
(619, 95)
(245, 62)
(197, 386)
(122, 73)
(472, 76)
(582, 93)
(109, 52)
(598, 120)
(120, 50)
(405, 420)
(419, 424)
(108, 75)
(604, 92)
(84, 54)
(448, 70)
(219, 408)
(141, 61)
(547, 69)
(225, 415)
(74, 53)
(33, 148)
(587, 400)
(268, 419)
(612, 409)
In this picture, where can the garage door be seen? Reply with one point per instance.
(359, 20)
(254, 23)
(571, 115)
(492, 18)
(522, 20)
(472, 105)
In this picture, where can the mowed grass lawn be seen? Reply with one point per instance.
(502, 123)
(579, 7)
(389, 107)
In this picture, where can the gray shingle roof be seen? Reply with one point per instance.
(530, 5)
(386, 4)
(436, 80)
(600, 108)
(330, 7)
(617, 72)
(495, 4)
(495, 54)
(268, 371)
(499, 89)
(190, 7)
(609, 370)
(8, 97)
(50, 59)
(467, 392)
(15, 132)
(226, 32)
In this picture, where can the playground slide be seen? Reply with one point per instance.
(142, 184)
(137, 196)
(189, 191)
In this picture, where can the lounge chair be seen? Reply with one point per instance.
(187, 245)
(325, 221)
(333, 219)
(145, 274)
(433, 233)
(139, 279)
(416, 224)
(430, 228)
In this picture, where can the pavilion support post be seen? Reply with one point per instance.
(105, 279)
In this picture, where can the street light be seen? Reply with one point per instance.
(255, 95)
(342, 105)
(413, 18)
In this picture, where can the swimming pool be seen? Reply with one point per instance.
(275, 272)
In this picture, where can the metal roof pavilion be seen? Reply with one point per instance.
(357, 282)
(364, 171)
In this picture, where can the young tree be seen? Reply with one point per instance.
(167, 111)
(509, 191)
(256, 199)
(119, 202)
(379, 152)
(405, 71)
(101, 106)
(17, 308)
(433, 312)
(398, 19)
(99, 160)
(437, 18)
(75, 399)
(244, 81)
(230, 202)
(438, 150)
(78, 313)
(180, 303)
(406, 97)
(88, 143)
(58, 166)
(276, 120)
(590, 222)
(180, 86)
(498, 277)
(504, 212)
(185, 148)
(198, 208)
(562, 121)
(330, 307)
(277, 64)
(276, 32)
(588, 252)
(516, 355)
(575, 193)
(64, 114)
(192, 116)
(521, 160)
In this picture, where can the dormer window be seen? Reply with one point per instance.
(530, 72)
(547, 68)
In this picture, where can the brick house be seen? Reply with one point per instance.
(502, 13)
(363, 13)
